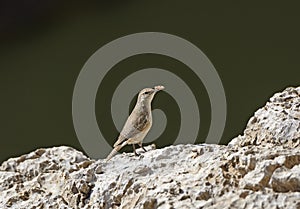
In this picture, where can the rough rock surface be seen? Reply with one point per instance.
(260, 169)
(277, 122)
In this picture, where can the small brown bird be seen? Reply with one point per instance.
(138, 123)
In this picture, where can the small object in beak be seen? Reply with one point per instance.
(158, 88)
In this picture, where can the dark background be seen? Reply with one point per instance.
(44, 44)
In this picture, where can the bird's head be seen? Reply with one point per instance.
(147, 94)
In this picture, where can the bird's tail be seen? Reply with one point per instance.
(114, 152)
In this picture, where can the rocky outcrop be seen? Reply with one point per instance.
(277, 122)
(260, 169)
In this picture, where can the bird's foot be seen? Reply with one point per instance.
(144, 149)
(138, 155)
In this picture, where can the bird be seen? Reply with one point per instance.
(138, 123)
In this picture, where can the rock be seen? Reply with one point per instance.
(278, 122)
(259, 169)
(286, 180)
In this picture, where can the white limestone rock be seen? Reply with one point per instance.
(259, 169)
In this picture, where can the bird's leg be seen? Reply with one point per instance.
(141, 145)
(136, 154)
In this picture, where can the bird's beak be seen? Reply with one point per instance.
(158, 88)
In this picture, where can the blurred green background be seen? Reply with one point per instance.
(44, 44)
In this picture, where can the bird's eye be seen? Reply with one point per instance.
(147, 92)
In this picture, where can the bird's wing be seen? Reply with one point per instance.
(134, 125)
(142, 121)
